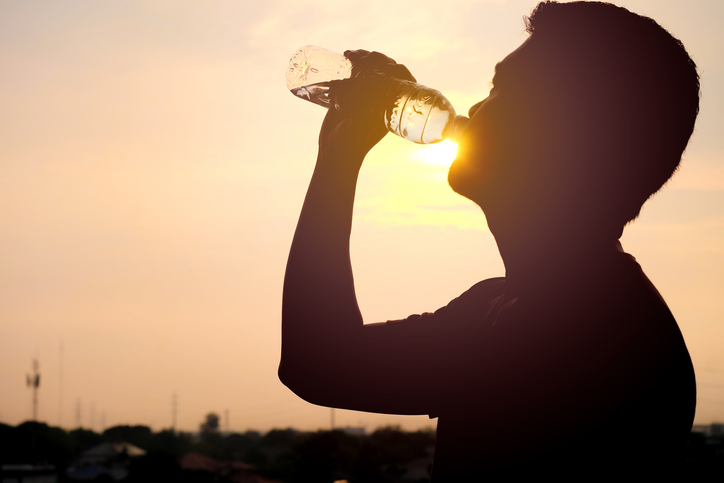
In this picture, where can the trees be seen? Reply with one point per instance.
(210, 425)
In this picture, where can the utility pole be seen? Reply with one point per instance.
(77, 413)
(92, 416)
(34, 382)
(174, 408)
(60, 388)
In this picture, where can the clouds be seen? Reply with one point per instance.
(422, 34)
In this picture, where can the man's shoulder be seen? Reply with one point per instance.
(627, 292)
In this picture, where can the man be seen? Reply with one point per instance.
(571, 365)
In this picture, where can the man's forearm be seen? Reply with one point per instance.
(319, 308)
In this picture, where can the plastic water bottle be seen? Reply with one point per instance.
(413, 111)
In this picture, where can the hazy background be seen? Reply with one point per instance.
(152, 166)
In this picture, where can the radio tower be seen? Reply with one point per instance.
(34, 382)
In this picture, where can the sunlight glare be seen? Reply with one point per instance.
(442, 153)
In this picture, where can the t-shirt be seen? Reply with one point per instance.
(580, 379)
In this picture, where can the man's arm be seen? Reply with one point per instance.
(319, 307)
(328, 356)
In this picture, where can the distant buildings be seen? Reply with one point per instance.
(111, 459)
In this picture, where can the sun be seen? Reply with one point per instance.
(442, 153)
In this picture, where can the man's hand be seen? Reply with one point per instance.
(355, 124)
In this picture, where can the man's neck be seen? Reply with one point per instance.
(542, 261)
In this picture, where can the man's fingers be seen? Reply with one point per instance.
(399, 71)
(366, 63)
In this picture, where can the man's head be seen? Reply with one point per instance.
(586, 120)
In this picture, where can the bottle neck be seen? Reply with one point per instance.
(455, 128)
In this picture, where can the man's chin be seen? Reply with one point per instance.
(461, 181)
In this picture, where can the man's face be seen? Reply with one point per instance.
(498, 159)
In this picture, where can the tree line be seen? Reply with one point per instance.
(284, 455)
(387, 454)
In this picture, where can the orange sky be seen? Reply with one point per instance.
(152, 165)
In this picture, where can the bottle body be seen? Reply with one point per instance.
(419, 114)
(412, 111)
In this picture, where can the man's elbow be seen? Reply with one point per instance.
(287, 376)
(305, 382)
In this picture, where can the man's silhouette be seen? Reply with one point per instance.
(571, 365)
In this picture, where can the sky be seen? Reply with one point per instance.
(153, 165)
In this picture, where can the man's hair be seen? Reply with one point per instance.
(629, 88)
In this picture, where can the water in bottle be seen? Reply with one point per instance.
(311, 73)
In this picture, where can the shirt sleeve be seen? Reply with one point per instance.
(406, 358)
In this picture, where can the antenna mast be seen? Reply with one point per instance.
(34, 382)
